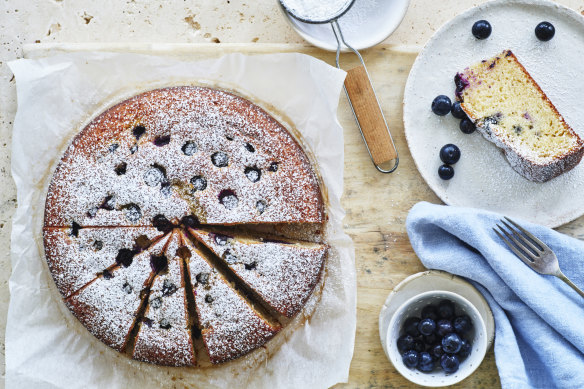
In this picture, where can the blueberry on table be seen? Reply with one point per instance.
(411, 326)
(441, 105)
(444, 327)
(450, 154)
(451, 343)
(446, 172)
(446, 309)
(545, 31)
(457, 110)
(465, 349)
(410, 358)
(425, 362)
(429, 312)
(482, 29)
(405, 343)
(427, 326)
(449, 363)
(462, 324)
(467, 126)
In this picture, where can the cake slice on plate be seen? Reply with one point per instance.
(510, 109)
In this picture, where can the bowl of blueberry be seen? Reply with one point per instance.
(437, 338)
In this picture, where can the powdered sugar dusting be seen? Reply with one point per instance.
(316, 10)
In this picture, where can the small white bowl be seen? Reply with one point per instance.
(413, 307)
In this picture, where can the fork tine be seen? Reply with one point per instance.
(528, 234)
(510, 245)
(526, 242)
(518, 248)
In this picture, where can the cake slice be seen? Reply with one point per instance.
(283, 274)
(230, 325)
(510, 109)
(164, 336)
(108, 306)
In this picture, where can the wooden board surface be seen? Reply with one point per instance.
(376, 204)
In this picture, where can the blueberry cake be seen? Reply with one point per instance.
(155, 227)
(510, 109)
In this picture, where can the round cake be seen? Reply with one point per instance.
(155, 226)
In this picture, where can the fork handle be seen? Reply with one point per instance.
(562, 277)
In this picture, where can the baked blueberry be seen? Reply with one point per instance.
(161, 223)
(199, 183)
(125, 257)
(545, 31)
(229, 257)
(168, 288)
(450, 363)
(446, 172)
(251, 266)
(411, 326)
(462, 324)
(457, 110)
(209, 299)
(450, 154)
(467, 126)
(273, 167)
(220, 159)
(165, 188)
(451, 343)
(444, 327)
(253, 174)
(127, 288)
(132, 212)
(228, 198)
(98, 245)
(427, 326)
(425, 362)
(75, 229)
(430, 312)
(261, 206)
(221, 240)
(156, 303)
(162, 140)
(249, 147)
(482, 29)
(158, 263)
(109, 203)
(441, 105)
(446, 309)
(138, 131)
(405, 343)
(189, 221)
(410, 358)
(465, 349)
(164, 324)
(121, 168)
(155, 175)
(189, 148)
(202, 278)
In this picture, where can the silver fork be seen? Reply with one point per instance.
(533, 252)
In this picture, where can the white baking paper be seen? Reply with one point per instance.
(45, 345)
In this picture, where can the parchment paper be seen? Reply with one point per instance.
(45, 345)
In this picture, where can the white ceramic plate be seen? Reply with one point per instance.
(366, 23)
(483, 178)
(433, 280)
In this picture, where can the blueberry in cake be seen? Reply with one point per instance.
(154, 223)
(509, 108)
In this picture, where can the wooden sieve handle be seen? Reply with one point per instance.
(369, 115)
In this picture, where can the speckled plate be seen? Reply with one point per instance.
(483, 178)
(434, 280)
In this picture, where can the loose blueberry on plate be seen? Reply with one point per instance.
(450, 363)
(425, 362)
(410, 358)
(441, 105)
(462, 324)
(427, 326)
(411, 326)
(457, 110)
(405, 342)
(545, 31)
(446, 309)
(451, 343)
(444, 327)
(467, 126)
(446, 172)
(450, 154)
(482, 29)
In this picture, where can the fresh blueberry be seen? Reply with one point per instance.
(437, 350)
(446, 172)
(482, 29)
(405, 343)
(444, 327)
(430, 312)
(419, 345)
(431, 339)
(545, 31)
(457, 110)
(465, 349)
(411, 326)
(451, 343)
(446, 309)
(427, 326)
(450, 154)
(467, 126)
(441, 105)
(449, 363)
(410, 358)
(462, 324)
(425, 362)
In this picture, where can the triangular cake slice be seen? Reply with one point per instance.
(230, 325)
(77, 256)
(108, 305)
(164, 336)
(283, 274)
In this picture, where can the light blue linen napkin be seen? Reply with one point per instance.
(539, 320)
